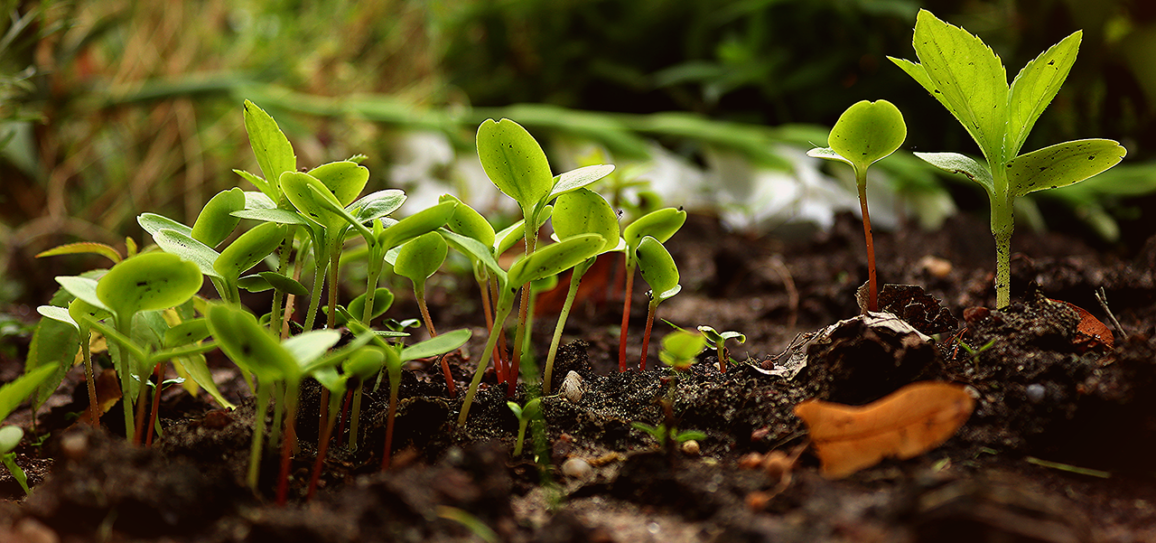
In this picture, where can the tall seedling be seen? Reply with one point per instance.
(417, 261)
(963, 73)
(661, 273)
(864, 134)
(660, 224)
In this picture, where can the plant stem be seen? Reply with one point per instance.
(263, 397)
(124, 371)
(505, 305)
(394, 389)
(141, 401)
(575, 279)
(285, 252)
(872, 287)
(291, 392)
(651, 310)
(322, 449)
(625, 313)
(355, 416)
(523, 310)
(1002, 268)
(500, 369)
(93, 405)
(158, 375)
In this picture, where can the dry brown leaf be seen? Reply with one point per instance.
(107, 393)
(906, 423)
(1090, 332)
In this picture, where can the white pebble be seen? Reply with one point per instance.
(577, 468)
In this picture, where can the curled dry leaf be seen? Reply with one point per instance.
(906, 423)
(1090, 332)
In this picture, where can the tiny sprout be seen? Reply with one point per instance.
(660, 224)
(864, 134)
(664, 435)
(680, 349)
(717, 341)
(10, 437)
(524, 415)
(661, 273)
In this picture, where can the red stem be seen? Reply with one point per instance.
(449, 378)
(499, 362)
(287, 441)
(322, 449)
(872, 300)
(156, 405)
(345, 412)
(646, 337)
(625, 320)
(519, 338)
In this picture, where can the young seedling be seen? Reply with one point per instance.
(524, 415)
(964, 75)
(417, 261)
(661, 273)
(74, 316)
(11, 395)
(365, 361)
(660, 225)
(718, 341)
(864, 134)
(579, 212)
(680, 349)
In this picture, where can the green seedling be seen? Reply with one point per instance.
(551, 260)
(11, 395)
(718, 341)
(417, 261)
(515, 163)
(661, 273)
(74, 317)
(580, 212)
(524, 415)
(964, 75)
(667, 436)
(864, 134)
(660, 225)
(680, 349)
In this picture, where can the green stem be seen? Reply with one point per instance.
(322, 261)
(522, 333)
(872, 287)
(355, 416)
(376, 265)
(291, 391)
(284, 252)
(394, 390)
(323, 446)
(575, 279)
(263, 397)
(522, 423)
(1002, 225)
(124, 370)
(93, 405)
(505, 305)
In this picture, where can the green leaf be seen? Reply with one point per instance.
(583, 211)
(84, 247)
(376, 205)
(426, 220)
(269, 190)
(344, 179)
(382, 300)
(507, 237)
(184, 246)
(250, 345)
(282, 216)
(468, 222)
(153, 224)
(576, 179)
(197, 369)
(54, 344)
(554, 258)
(434, 346)
(148, 282)
(970, 78)
(10, 437)
(868, 131)
(683, 345)
(829, 154)
(12, 394)
(273, 151)
(476, 251)
(216, 221)
(188, 332)
(57, 314)
(83, 288)
(249, 249)
(420, 257)
(1035, 86)
(253, 283)
(365, 362)
(658, 268)
(309, 346)
(284, 283)
(517, 409)
(964, 165)
(514, 162)
(1062, 164)
(659, 224)
(296, 187)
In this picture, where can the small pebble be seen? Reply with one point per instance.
(935, 266)
(1035, 392)
(577, 468)
(690, 447)
(572, 387)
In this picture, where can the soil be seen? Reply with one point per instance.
(1058, 448)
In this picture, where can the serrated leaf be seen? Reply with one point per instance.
(657, 268)
(1035, 86)
(1062, 164)
(215, 221)
(434, 346)
(54, 345)
(273, 151)
(963, 165)
(554, 258)
(84, 247)
(344, 179)
(514, 162)
(184, 246)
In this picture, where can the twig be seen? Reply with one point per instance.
(1102, 297)
(789, 284)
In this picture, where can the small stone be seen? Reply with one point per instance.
(1035, 392)
(934, 266)
(577, 468)
(690, 447)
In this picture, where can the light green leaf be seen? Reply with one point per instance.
(198, 370)
(83, 288)
(84, 247)
(971, 78)
(475, 250)
(344, 179)
(658, 268)
(185, 333)
(249, 249)
(426, 220)
(468, 222)
(1035, 86)
(829, 154)
(282, 216)
(867, 132)
(253, 283)
(583, 211)
(250, 345)
(57, 314)
(147, 282)
(683, 344)
(54, 344)
(269, 190)
(215, 221)
(10, 437)
(309, 346)
(514, 162)
(434, 346)
(575, 179)
(296, 187)
(554, 258)
(1062, 164)
(273, 151)
(420, 257)
(284, 283)
(376, 205)
(964, 165)
(659, 224)
(12, 394)
(365, 363)
(184, 246)
(153, 223)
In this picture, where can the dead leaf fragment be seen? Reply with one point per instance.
(906, 423)
(1091, 333)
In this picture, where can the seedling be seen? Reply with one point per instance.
(964, 75)
(11, 395)
(660, 225)
(417, 261)
(680, 349)
(864, 134)
(718, 341)
(580, 212)
(524, 415)
(661, 273)
(73, 316)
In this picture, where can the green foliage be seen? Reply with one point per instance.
(864, 134)
(658, 269)
(680, 349)
(420, 257)
(524, 416)
(216, 220)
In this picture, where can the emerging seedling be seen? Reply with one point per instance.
(864, 134)
(11, 395)
(964, 75)
(660, 225)
(661, 273)
(680, 349)
(524, 415)
(718, 341)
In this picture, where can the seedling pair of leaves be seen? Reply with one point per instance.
(964, 75)
(658, 269)
(524, 415)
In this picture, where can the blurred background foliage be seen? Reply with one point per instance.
(109, 108)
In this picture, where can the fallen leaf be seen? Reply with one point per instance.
(1090, 333)
(906, 423)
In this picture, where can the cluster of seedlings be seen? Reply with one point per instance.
(306, 223)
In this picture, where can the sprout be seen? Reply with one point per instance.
(524, 415)
(660, 225)
(661, 273)
(717, 341)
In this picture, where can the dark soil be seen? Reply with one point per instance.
(1058, 448)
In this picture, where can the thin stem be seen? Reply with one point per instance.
(124, 371)
(651, 310)
(499, 359)
(291, 391)
(158, 375)
(315, 297)
(263, 397)
(505, 305)
(93, 405)
(1002, 269)
(141, 401)
(625, 314)
(355, 416)
(284, 252)
(575, 279)
(345, 410)
(519, 337)
(322, 449)
(872, 287)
